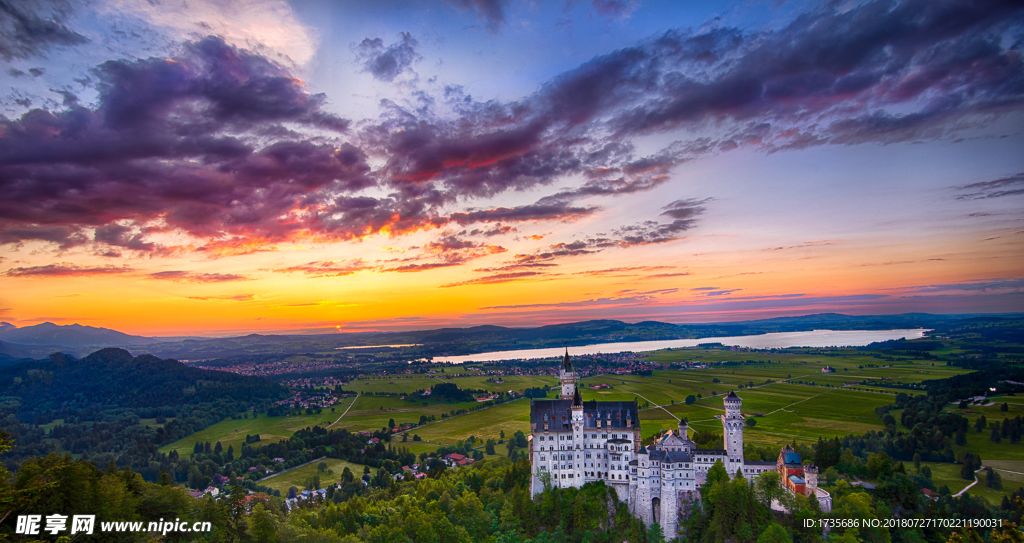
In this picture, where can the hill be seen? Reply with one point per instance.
(71, 335)
(114, 378)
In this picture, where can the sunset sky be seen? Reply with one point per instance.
(214, 167)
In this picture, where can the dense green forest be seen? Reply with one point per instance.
(486, 502)
(97, 404)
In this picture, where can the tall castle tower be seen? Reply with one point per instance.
(567, 377)
(732, 424)
(576, 453)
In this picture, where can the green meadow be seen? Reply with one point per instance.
(233, 431)
(298, 476)
(789, 398)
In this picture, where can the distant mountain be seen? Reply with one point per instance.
(72, 335)
(115, 378)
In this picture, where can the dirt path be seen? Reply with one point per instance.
(346, 411)
(289, 469)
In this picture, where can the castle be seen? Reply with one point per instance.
(573, 442)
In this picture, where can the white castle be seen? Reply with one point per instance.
(573, 442)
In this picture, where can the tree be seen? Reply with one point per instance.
(981, 423)
(751, 422)
(996, 437)
(264, 525)
(775, 533)
(321, 467)
(391, 423)
(768, 487)
(655, 533)
(993, 479)
(489, 447)
(691, 399)
(1004, 408)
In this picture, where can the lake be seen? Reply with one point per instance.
(777, 340)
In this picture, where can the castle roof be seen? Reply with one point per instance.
(711, 452)
(566, 364)
(558, 414)
(791, 458)
(732, 397)
(796, 480)
(670, 456)
(577, 400)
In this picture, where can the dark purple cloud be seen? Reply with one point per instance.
(328, 268)
(228, 147)
(386, 63)
(490, 12)
(1006, 186)
(66, 270)
(497, 278)
(237, 297)
(176, 142)
(29, 28)
(997, 284)
(196, 277)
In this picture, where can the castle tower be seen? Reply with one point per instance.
(684, 434)
(567, 377)
(642, 505)
(811, 479)
(577, 439)
(732, 424)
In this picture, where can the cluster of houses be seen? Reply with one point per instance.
(282, 367)
(315, 382)
(303, 400)
(455, 460)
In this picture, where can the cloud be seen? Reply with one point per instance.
(328, 268)
(615, 9)
(223, 145)
(195, 277)
(66, 270)
(625, 271)
(449, 251)
(996, 284)
(1006, 186)
(237, 297)
(386, 63)
(496, 278)
(635, 299)
(175, 145)
(30, 28)
(532, 212)
(267, 26)
(490, 12)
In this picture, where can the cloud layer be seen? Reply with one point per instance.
(225, 151)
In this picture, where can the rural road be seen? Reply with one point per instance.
(968, 487)
(346, 411)
(289, 469)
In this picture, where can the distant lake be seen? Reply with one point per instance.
(777, 340)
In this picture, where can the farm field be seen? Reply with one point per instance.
(297, 477)
(233, 431)
(949, 475)
(789, 398)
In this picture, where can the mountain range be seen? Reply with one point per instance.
(39, 340)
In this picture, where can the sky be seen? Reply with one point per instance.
(217, 167)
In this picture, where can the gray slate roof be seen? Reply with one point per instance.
(558, 414)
